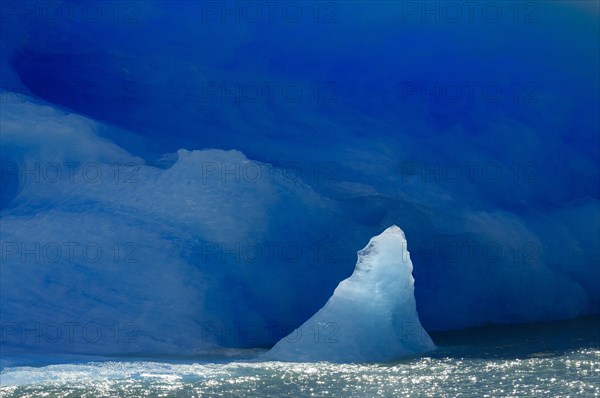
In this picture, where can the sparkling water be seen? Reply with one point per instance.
(546, 360)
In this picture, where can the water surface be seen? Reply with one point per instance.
(550, 359)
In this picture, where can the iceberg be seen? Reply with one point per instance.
(170, 187)
(371, 316)
(103, 251)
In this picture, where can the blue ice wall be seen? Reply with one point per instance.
(476, 132)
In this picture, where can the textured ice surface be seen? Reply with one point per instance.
(371, 316)
(103, 252)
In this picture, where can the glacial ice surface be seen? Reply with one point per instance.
(371, 316)
(500, 198)
(211, 248)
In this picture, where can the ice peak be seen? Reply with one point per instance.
(391, 234)
(369, 313)
(394, 229)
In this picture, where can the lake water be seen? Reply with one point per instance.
(556, 359)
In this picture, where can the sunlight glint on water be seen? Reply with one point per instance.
(575, 373)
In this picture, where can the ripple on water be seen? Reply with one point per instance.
(574, 373)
